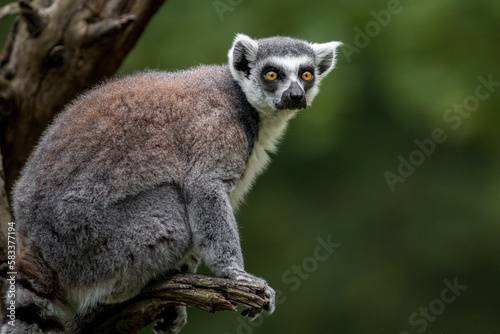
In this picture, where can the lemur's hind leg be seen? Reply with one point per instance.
(175, 317)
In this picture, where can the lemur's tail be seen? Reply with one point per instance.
(31, 309)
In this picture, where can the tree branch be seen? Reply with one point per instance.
(8, 10)
(210, 294)
(104, 28)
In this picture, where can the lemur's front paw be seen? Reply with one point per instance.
(242, 275)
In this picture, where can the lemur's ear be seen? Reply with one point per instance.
(242, 54)
(325, 56)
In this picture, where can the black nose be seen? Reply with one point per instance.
(296, 96)
(293, 98)
(295, 92)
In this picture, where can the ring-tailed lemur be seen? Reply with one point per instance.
(139, 177)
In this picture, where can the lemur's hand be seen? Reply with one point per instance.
(241, 275)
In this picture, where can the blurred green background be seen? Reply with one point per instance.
(407, 69)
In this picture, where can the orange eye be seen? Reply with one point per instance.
(271, 75)
(307, 76)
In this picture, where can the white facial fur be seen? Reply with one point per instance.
(266, 101)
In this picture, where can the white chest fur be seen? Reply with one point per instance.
(271, 129)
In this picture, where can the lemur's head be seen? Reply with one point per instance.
(280, 73)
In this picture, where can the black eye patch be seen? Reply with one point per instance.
(306, 68)
(272, 84)
(275, 68)
(307, 83)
